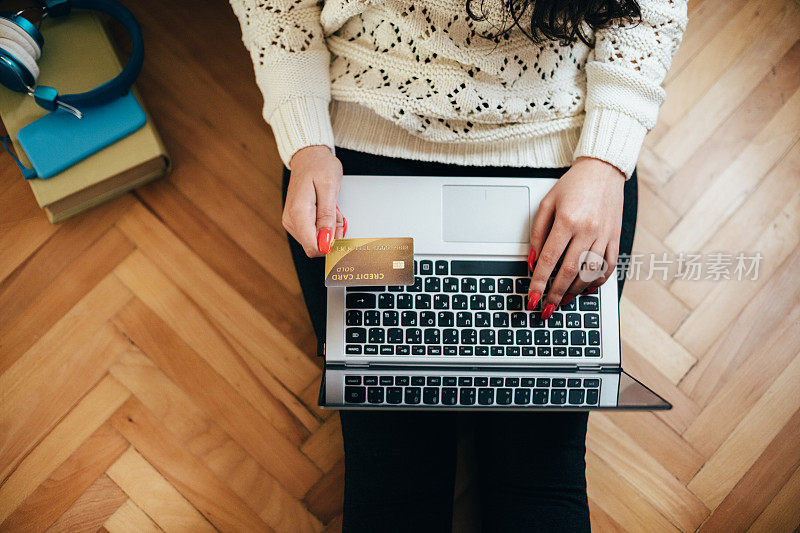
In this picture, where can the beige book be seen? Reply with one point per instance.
(77, 56)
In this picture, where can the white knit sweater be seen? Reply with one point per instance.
(420, 79)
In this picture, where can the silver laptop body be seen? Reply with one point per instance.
(460, 337)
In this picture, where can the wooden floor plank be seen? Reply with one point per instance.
(736, 455)
(74, 353)
(65, 485)
(190, 477)
(129, 518)
(154, 495)
(92, 411)
(202, 436)
(783, 512)
(206, 388)
(88, 513)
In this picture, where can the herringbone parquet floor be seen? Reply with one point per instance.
(154, 367)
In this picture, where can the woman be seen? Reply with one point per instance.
(537, 88)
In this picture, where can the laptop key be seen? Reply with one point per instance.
(487, 336)
(352, 380)
(591, 320)
(571, 306)
(522, 396)
(496, 382)
(430, 395)
(575, 351)
(481, 350)
(528, 351)
(355, 394)
(371, 349)
(477, 302)
(524, 337)
(592, 396)
(450, 381)
(396, 288)
(469, 336)
(402, 350)
(445, 319)
(486, 285)
(512, 351)
(485, 396)
(441, 301)
(459, 301)
(418, 380)
(394, 395)
(387, 349)
(377, 335)
(360, 300)
(391, 318)
(505, 336)
(434, 380)
(544, 351)
(352, 349)
(386, 301)
(450, 350)
(370, 380)
(496, 302)
(375, 395)
(560, 337)
(522, 285)
(500, 319)
(519, 320)
(542, 382)
(372, 318)
(594, 338)
(386, 380)
(576, 396)
(591, 382)
(432, 336)
(527, 382)
(434, 350)
(512, 382)
(559, 382)
(464, 319)
(592, 351)
(541, 337)
(504, 396)
(442, 268)
(540, 396)
(467, 396)
(514, 302)
(422, 301)
(482, 320)
(426, 267)
(413, 395)
(416, 286)
(450, 336)
(418, 350)
(465, 350)
(355, 335)
(573, 382)
(589, 303)
(558, 396)
(427, 319)
(469, 285)
(450, 284)
(559, 351)
(573, 320)
(433, 284)
(505, 285)
(353, 318)
(408, 318)
(481, 381)
(405, 301)
(449, 395)
(497, 351)
(556, 320)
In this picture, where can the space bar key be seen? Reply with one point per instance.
(459, 267)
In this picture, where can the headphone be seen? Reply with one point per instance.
(21, 45)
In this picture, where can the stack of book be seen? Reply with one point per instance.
(78, 55)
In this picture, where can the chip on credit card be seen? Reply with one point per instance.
(380, 261)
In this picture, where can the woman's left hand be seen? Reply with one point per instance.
(579, 223)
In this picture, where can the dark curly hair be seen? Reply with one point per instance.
(562, 20)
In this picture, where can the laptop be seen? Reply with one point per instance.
(460, 337)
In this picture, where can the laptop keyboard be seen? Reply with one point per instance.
(467, 390)
(467, 308)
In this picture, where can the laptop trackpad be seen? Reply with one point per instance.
(486, 213)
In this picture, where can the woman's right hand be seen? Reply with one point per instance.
(310, 214)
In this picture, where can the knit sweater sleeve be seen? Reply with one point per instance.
(291, 61)
(623, 82)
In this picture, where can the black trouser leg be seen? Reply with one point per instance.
(532, 471)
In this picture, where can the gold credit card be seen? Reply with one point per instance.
(383, 261)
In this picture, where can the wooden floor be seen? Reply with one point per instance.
(154, 353)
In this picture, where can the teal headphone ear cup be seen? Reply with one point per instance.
(16, 51)
(23, 32)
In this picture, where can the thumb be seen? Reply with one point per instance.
(326, 216)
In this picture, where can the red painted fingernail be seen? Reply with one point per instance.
(548, 310)
(344, 226)
(531, 259)
(533, 299)
(324, 240)
(567, 299)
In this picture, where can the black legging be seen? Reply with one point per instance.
(400, 465)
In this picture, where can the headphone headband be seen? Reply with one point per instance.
(119, 85)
